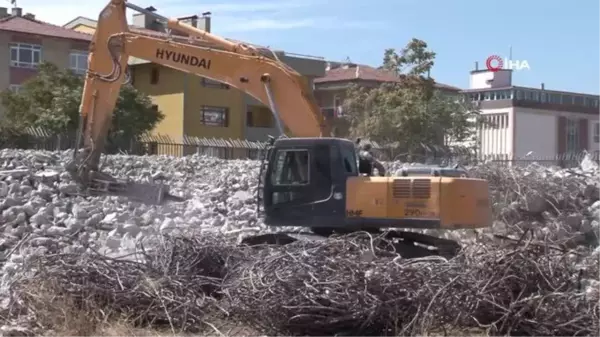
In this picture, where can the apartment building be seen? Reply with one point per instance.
(330, 90)
(539, 121)
(26, 42)
(196, 106)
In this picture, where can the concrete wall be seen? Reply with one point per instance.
(307, 66)
(167, 94)
(490, 79)
(84, 29)
(536, 132)
(197, 95)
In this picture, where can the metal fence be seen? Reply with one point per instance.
(40, 139)
(244, 149)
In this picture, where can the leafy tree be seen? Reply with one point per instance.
(51, 101)
(410, 111)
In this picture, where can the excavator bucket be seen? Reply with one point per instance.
(99, 183)
(148, 193)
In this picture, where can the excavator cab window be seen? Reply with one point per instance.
(292, 168)
(291, 200)
(349, 159)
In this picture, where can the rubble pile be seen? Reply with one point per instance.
(544, 240)
(38, 199)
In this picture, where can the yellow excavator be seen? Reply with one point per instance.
(309, 180)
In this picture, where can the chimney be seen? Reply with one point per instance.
(332, 65)
(3, 12)
(543, 86)
(142, 20)
(17, 11)
(189, 20)
(204, 22)
(476, 66)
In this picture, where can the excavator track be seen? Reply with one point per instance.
(407, 244)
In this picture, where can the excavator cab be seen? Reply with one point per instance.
(305, 181)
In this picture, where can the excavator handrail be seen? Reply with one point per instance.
(255, 71)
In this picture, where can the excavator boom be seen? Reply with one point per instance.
(255, 71)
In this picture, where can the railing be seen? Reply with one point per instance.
(244, 149)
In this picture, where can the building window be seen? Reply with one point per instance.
(543, 97)
(327, 112)
(567, 99)
(554, 98)
(259, 117)
(24, 55)
(528, 95)
(78, 61)
(535, 96)
(154, 73)
(519, 94)
(578, 100)
(15, 88)
(208, 83)
(572, 135)
(596, 132)
(214, 116)
(337, 101)
(338, 106)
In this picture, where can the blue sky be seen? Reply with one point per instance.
(560, 40)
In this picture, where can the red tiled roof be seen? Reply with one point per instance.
(365, 73)
(31, 26)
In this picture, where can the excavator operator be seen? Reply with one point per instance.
(367, 161)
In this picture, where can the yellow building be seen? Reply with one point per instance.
(196, 106)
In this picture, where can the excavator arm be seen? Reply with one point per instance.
(244, 67)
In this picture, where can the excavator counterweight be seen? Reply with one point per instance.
(311, 180)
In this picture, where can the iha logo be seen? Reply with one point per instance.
(495, 63)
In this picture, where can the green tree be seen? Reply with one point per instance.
(51, 101)
(410, 111)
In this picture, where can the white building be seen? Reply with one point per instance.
(545, 122)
